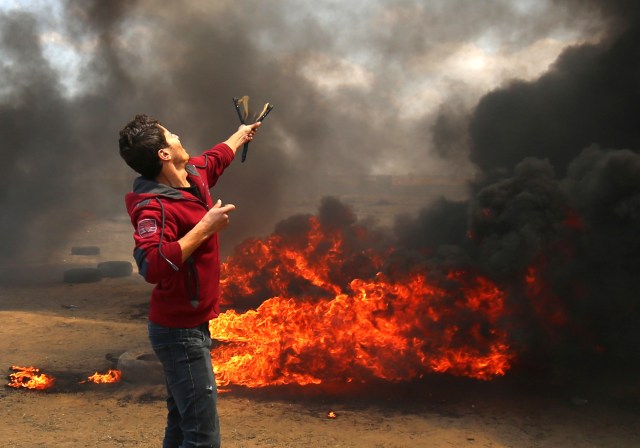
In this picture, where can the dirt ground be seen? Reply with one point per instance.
(72, 331)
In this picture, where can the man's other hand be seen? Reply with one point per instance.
(217, 218)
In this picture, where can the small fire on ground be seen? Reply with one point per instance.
(32, 378)
(112, 376)
(29, 378)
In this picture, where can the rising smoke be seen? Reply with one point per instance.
(182, 62)
(556, 157)
(558, 192)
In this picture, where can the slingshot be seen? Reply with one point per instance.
(244, 114)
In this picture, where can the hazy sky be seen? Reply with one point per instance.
(360, 87)
(390, 64)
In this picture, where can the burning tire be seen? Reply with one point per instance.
(85, 250)
(115, 268)
(82, 275)
(141, 367)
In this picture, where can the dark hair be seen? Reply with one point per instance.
(139, 143)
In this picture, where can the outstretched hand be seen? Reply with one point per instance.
(248, 131)
(244, 134)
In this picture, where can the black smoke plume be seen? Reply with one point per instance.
(553, 213)
(556, 196)
(182, 62)
(556, 199)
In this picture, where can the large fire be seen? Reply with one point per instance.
(323, 312)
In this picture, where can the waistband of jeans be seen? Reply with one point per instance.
(201, 327)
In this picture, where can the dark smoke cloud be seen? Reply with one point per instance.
(182, 62)
(35, 125)
(550, 204)
(590, 95)
(539, 199)
(61, 151)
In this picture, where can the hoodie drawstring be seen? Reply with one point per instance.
(175, 268)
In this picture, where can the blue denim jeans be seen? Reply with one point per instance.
(185, 354)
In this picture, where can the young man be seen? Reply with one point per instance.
(176, 248)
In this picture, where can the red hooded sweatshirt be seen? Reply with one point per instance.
(185, 294)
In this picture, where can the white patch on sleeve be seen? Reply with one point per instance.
(147, 227)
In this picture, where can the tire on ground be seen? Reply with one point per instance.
(82, 275)
(141, 367)
(115, 268)
(85, 250)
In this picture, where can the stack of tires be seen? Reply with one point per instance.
(105, 269)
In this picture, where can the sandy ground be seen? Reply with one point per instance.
(71, 331)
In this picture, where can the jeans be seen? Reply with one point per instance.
(185, 354)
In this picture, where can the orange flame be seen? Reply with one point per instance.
(324, 313)
(312, 262)
(29, 378)
(112, 376)
(386, 330)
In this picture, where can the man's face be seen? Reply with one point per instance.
(178, 153)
